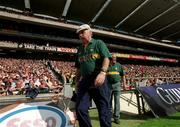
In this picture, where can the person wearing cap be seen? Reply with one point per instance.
(92, 64)
(114, 75)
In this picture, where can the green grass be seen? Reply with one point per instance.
(169, 121)
(126, 120)
(148, 120)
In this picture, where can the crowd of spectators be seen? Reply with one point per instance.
(150, 75)
(18, 74)
(135, 71)
(66, 68)
(135, 74)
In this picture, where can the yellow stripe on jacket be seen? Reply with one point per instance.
(113, 73)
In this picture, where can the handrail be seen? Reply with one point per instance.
(5, 100)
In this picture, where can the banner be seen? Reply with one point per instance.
(122, 55)
(162, 99)
(169, 60)
(8, 44)
(153, 58)
(29, 46)
(36, 114)
(67, 50)
(137, 57)
(50, 48)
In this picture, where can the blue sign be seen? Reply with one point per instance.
(163, 99)
(34, 116)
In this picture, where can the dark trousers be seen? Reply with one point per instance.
(101, 97)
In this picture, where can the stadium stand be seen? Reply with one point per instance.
(16, 74)
(38, 44)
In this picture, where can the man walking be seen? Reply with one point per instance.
(92, 64)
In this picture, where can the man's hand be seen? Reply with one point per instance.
(102, 75)
(100, 79)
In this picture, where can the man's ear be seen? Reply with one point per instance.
(91, 33)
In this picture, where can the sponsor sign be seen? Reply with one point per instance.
(137, 57)
(67, 50)
(49, 48)
(33, 115)
(29, 46)
(123, 55)
(153, 58)
(163, 99)
(8, 44)
(38, 47)
(170, 60)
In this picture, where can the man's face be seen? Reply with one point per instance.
(113, 59)
(85, 35)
